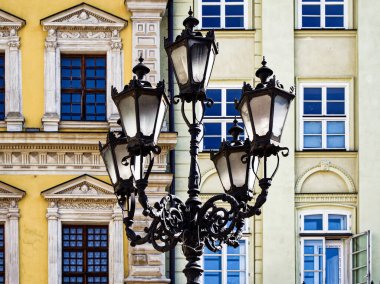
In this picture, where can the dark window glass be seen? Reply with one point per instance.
(211, 10)
(311, 10)
(2, 87)
(216, 109)
(313, 222)
(311, 22)
(314, 94)
(234, 22)
(334, 22)
(85, 254)
(334, 10)
(212, 136)
(208, 22)
(83, 87)
(234, 10)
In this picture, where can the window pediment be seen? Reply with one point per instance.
(83, 17)
(9, 22)
(10, 192)
(82, 187)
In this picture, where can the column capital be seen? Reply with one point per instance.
(146, 8)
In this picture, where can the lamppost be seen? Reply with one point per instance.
(142, 110)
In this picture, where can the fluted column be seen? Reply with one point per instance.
(13, 231)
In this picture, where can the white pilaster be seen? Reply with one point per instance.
(13, 269)
(118, 257)
(146, 18)
(51, 116)
(53, 253)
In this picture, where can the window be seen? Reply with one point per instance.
(223, 14)
(322, 247)
(2, 255)
(219, 118)
(227, 265)
(85, 254)
(360, 264)
(2, 87)
(329, 14)
(324, 123)
(83, 88)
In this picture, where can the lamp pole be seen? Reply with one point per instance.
(142, 110)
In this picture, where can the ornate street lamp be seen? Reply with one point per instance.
(192, 57)
(142, 110)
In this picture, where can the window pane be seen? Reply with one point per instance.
(211, 143)
(334, 10)
(332, 266)
(335, 127)
(231, 110)
(311, 22)
(312, 141)
(312, 108)
(312, 94)
(234, 22)
(311, 10)
(334, 22)
(312, 127)
(236, 277)
(235, 262)
(208, 22)
(213, 262)
(214, 94)
(2, 87)
(211, 10)
(215, 110)
(213, 129)
(335, 107)
(234, 10)
(313, 222)
(335, 94)
(213, 277)
(337, 222)
(232, 94)
(335, 141)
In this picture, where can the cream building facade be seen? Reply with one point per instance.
(319, 224)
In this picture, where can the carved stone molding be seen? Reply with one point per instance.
(52, 153)
(82, 28)
(331, 198)
(325, 166)
(146, 18)
(10, 44)
(9, 216)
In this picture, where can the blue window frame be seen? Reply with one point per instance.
(316, 14)
(2, 87)
(218, 119)
(324, 117)
(227, 265)
(85, 254)
(83, 87)
(223, 14)
(2, 255)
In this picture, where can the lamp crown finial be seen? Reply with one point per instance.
(235, 131)
(190, 22)
(141, 69)
(264, 72)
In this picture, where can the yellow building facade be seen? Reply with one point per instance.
(53, 183)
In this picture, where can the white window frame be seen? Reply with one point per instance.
(325, 244)
(323, 117)
(81, 30)
(224, 261)
(323, 4)
(222, 5)
(10, 46)
(325, 214)
(223, 118)
(369, 255)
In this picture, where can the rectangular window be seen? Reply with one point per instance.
(324, 123)
(2, 255)
(219, 118)
(322, 14)
(223, 14)
(85, 254)
(2, 87)
(83, 87)
(322, 249)
(360, 258)
(227, 265)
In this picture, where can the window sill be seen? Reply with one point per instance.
(343, 234)
(91, 125)
(325, 32)
(231, 32)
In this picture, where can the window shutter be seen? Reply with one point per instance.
(360, 258)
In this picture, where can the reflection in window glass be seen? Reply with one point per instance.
(220, 14)
(313, 222)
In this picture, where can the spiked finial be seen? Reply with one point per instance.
(140, 69)
(235, 131)
(190, 22)
(264, 72)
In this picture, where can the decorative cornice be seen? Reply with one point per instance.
(9, 21)
(304, 33)
(146, 8)
(337, 198)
